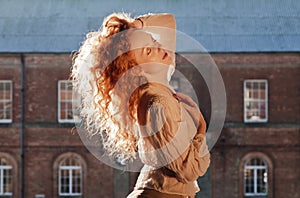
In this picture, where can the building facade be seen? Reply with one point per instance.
(257, 154)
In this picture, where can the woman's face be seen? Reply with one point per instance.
(148, 50)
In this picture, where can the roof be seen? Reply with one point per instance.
(59, 26)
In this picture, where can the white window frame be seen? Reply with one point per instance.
(255, 168)
(39, 196)
(61, 120)
(10, 100)
(70, 170)
(258, 120)
(2, 168)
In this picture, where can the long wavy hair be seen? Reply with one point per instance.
(98, 75)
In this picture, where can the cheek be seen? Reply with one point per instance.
(142, 58)
(138, 58)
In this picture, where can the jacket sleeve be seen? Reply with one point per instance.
(167, 139)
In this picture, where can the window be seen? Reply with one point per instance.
(70, 177)
(69, 171)
(39, 196)
(65, 113)
(255, 178)
(5, 101)
(5, 179)
(255, 100)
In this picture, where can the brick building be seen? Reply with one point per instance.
(255, 46)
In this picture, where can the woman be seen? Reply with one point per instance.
(122, 73)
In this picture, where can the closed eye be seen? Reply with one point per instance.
(148, 50)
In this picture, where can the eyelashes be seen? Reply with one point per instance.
(148, 50)
(154, 44)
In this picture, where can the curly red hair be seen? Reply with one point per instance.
(102, 77)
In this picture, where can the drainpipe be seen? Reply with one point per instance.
(22, 184)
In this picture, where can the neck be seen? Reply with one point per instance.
(157, 73)
(160, 78)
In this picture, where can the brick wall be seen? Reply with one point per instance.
(278, 139)
(46, 139)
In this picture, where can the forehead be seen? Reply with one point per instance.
(140, 39)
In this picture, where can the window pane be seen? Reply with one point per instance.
(8, 86)
(5, 100)
(7, 181)
(63, 106)
(76, 183)
(69, 87)
(62, 85)
(253, 112)
(69, 106)
(8, 114)
(262, 85)
(2, 116)
(64, 181)
(255, 177)
(70, 176)
(263, 110)
(5, 178)
(7, 105)
(65, 100)
(7, 95)
(62, 95)
(69, 114)
(62, 115)
(262, 181)
(249, 184)
(70, 95)
(255, 100)
(262, 94)
(70, 161)
(4, 95)
(255, 94)
(253, 162)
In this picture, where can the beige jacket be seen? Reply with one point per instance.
(172, 142)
